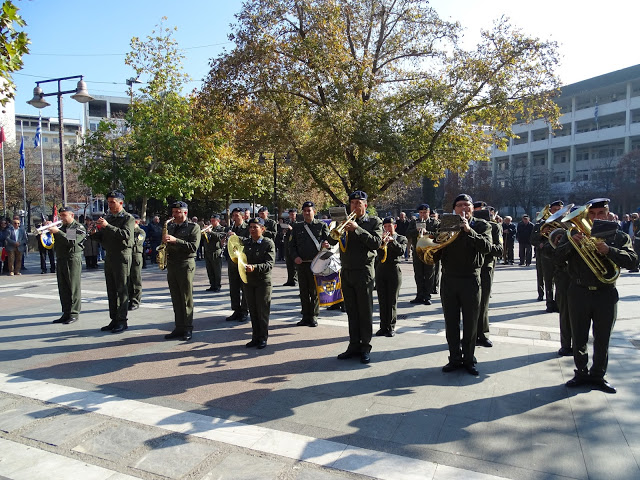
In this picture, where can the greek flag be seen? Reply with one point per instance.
(36, 139)
(22, 153)
(595, 113)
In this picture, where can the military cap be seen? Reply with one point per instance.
(293, 210)
(215, 215)
(358, 195)
(263, 209)
(423, 206)
(479, 204)
(179, 204)
(308, 204)
(490, 208)
(257, 220)
(136, 216)
(115, 194)
(599, 203)
(68, 209)
(237, 210)
(462, 197)
(557, 203)
(390, 220)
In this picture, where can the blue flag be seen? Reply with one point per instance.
(22, 153)
(36, 139)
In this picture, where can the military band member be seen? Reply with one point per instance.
(307, 238)
(182, 239)
(423, 273)
(591, 301)
(460, 284)
(389, 277)
(238, 301)
(270, 226)
(561, 280)
(68, 244)
(486, 276)
(115, 234)
(261, 256)
(135, 276)
(213, 253)
(287, 230)
(433, 217)
(363, 236)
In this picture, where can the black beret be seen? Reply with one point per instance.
(215, 215)
(462, 197)
(257, 220)
(557, 203)
(136, 216)
(68, 209)
(423, 206)
(479, 204)
(490, 208)
(179, 204)
(115, 194)
(293, 210)
(358, 195)
(308, 204)
(237, 210)
(599, 203)
(390, 220)
(263, 209)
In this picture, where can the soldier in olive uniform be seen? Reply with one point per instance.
(213, 253)
(238, 301)
(68, 244)
(561, 280)
(287, 230)
(182, 239)
(307, 239)
(135, 276)
(544, 258)
(270, 226)
(115, 233)
(423, 273)
(389, 277)
(486, 272)
(592, 301)
(261, 256)
(460, 284)
(358, 245)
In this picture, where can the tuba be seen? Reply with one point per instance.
(161, 259)
(602, 267)
(447, 232)
(555, 220)
(544, 214)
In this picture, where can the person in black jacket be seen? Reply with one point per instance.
(523, 234)
(460, 284)
(509, 239)
(261, 256)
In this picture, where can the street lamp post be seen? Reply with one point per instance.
(81, 95)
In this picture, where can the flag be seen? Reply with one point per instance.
(36, 139)
(595, 113)
(55, 214)
(2, 137)
(22, 153)
(329, 289)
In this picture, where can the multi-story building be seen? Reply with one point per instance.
(103, 107)
(600, 120)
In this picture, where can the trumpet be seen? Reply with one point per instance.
(386, 238)
(338, 231)
(205, 230)
(45, 228)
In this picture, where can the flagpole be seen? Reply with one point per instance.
(44, 202)
(24, 168)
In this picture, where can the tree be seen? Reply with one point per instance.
(160, 153)
(13, 45)
(362, 94)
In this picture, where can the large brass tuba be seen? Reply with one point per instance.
(602, 267)
(544, 214)
(428, 244)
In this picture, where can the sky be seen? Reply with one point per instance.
(92, 38)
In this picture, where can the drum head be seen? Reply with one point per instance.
(321, 262)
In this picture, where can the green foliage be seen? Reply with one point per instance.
(13, 45)
(361, 94)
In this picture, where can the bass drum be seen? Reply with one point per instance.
(325, 263)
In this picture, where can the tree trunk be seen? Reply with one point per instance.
(143, 210)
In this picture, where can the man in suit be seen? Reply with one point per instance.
(16, 245)
(523, 234)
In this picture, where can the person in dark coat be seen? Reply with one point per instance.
(523, 234)
(135, 275)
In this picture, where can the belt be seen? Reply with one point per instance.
(593, 287)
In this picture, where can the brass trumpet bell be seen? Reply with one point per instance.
(555, 220)
(338, 231)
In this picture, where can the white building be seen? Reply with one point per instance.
(600, 123)
(103, 107)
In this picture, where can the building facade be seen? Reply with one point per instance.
(600, 120)
(104, 107)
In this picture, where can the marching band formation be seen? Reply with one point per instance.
(579, 250)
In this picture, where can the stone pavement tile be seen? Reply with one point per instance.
(312, 474)
(472, 402)
(116, 442)
(5, 402)
(421, 427)
(384, 465)
(63, 427)
(461, 436)
(238, 466)
(21, 462)
(23, 414)
(445, 472)
(174, 456)
(289, 403)
(380, 421)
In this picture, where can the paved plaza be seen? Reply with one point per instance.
(77, 403)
